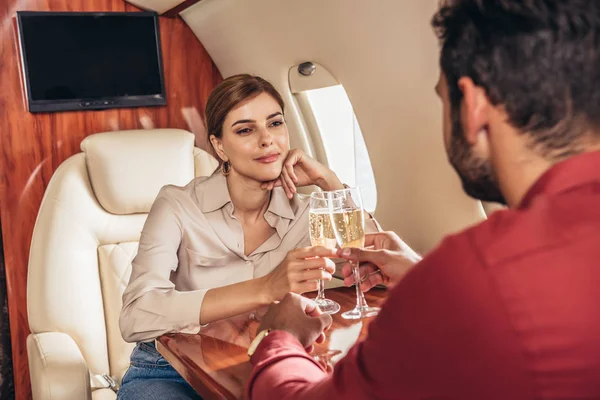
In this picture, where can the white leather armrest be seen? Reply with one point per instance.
(58, 370)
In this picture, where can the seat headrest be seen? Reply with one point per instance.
(128, 168)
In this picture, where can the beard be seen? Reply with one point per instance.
(476, 174)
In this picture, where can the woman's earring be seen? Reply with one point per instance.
(226, 168)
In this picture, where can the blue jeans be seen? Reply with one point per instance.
(151, 377)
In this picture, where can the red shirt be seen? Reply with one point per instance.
(506, 310)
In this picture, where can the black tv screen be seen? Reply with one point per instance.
(74, 61)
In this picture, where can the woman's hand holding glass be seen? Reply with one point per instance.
(301, 170)
(300, 272)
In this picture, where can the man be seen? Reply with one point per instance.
(508, 309)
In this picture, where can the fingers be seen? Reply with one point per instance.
(289, 183)
(364, 270)
(346, 270)
(305, 319)
(317, 263)
(323, 322)
(370, 239)
(371, 281)
(288, 187)
(300, 263)
(305, 286)
(387, 241)
(377, 257)
(270, 185)
(316, 251)
(284, 185)
(289, 168)
(329, 265)
(293, 158)
(321, 338)
(310, 307)
(266, 185)
(381, 240)
(320, 324)
(288, 176)
(314, 275)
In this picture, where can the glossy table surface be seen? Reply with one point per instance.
(215, 361)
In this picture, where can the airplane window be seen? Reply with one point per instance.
(342, 140)
(332, 127)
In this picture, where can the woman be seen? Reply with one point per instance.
(227, 244)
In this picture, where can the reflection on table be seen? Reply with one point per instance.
(215, 361)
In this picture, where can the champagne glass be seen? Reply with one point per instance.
(348, 222)
(321, 234)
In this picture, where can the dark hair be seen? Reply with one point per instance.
(231, 92)
(539, 59)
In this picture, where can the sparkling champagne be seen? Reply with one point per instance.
(349, 227)
(320, 229)
(321, 234)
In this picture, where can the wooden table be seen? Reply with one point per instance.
(215, 361)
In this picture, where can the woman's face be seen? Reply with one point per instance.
(255, 139)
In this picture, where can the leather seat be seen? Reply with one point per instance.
(84, 240)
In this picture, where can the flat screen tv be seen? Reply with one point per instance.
(99, 60)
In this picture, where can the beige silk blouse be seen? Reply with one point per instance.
(191, 242)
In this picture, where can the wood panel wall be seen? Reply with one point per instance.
(32, 146)
(7, 390)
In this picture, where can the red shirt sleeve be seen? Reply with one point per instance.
(281, 365)
(442, 334)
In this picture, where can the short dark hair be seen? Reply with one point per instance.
(539, 59)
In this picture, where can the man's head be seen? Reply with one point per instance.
(527, 68)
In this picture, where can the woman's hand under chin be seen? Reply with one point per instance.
(301, 170)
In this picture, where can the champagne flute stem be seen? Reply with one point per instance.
(360, 297)
(321, 294)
